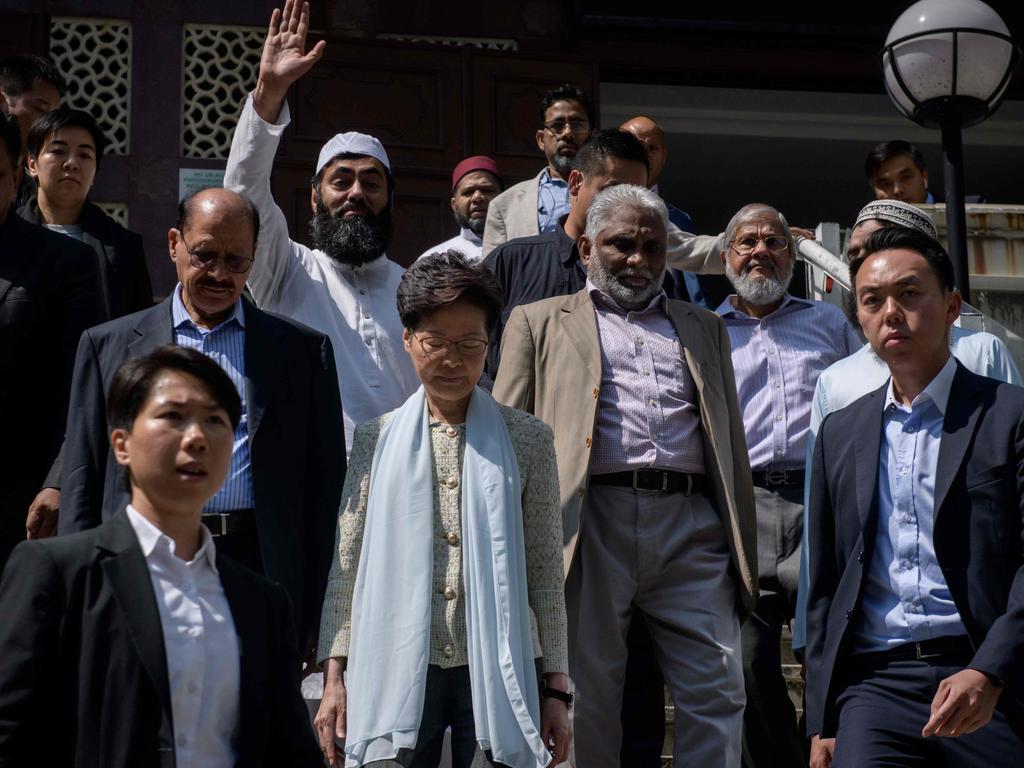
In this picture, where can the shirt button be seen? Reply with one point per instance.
(362, 292)
(640, 342)
(452, 483)
(366, 315)
(369, 342)
(448, 651)
(451, 431)
(449, 593)
(194, 632)
(582, 490)
(453, 539)
(646, 372)
(653, 402)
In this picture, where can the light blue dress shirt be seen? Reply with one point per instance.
(225, 345)
(905, 598)
(552, 201)
(863, 372)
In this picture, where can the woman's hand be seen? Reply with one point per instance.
(554, 721)
(331, 718)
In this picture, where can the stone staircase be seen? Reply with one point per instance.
(790, 671)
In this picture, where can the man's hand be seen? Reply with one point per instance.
(822, 751)
(807, 234)
(284, 58)
(41, 522)
(963, 704)
(331, 718)
(554, 721)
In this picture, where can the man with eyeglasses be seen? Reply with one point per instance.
(780, 344)
(534, 206)
(277, 510)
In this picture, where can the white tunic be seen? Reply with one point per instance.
(467, 242)
(354, 306)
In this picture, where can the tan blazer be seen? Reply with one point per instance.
(512, 214)
(551, 367)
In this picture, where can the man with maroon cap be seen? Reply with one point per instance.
(475, 182)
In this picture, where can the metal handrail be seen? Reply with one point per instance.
(818, 256)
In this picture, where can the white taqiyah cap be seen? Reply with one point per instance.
(354, 143)
(899, 213)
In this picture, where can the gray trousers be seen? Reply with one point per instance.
(665, 554)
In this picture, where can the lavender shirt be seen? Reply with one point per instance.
(777, 361)
(647, 413)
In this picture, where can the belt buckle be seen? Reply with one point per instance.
(689, 484)
(921, 656)
(219, 528)
(636, 478)
(776, 476)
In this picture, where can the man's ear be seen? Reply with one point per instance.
(575, 182)
(119, 444)
(584, 245)
(540, 139)
(925, 175)
(33, 167)
(407, 339)
(172, 241)
(314, 198)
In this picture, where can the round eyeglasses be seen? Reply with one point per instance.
(747, 245)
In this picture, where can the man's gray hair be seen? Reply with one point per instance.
(753, 212)
(608, 201)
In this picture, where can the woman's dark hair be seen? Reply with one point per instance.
(10, 135)
(441, 279)
(64, 117)
(891, 238)
(134, 382)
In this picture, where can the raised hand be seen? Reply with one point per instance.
(284, 58)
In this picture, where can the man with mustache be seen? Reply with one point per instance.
(346, 286)
(657, 506)
(475, 183)
(534, 206)
(277, 510)
(780, 344)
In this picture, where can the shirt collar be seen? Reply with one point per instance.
(728, 309)
(567, 250)
(150, 538)
(180, 315)
(471, 236)
(937, 390)
(605, 301)
(545, 178)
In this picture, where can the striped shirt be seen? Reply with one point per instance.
(225, 345)
(648, 414)
(777, 361)
(552, 201)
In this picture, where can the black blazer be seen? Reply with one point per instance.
(979, 506)
(120, 259)
(296, 442)
(83, 669)
(48, 296)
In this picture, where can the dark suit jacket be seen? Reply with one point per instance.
(296, 441)
(48, 297)
(979, 506)
(83, 669)
(120, 259)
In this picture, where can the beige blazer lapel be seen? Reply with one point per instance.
(580, 323)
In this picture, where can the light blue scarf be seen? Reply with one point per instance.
(390, 646)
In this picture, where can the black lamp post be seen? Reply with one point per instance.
(947, 64)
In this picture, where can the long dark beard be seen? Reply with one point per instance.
(353, 241)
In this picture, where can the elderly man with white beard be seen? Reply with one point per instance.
(780, 344)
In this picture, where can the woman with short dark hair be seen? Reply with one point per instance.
(63, 153)
(131, 633)
(446, 588)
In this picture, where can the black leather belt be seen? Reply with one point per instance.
(654, 480)
(778, 477)
(235, 521)
(953, 647)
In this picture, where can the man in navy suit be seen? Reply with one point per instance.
(915, 622)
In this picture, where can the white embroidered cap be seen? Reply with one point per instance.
(354, 143)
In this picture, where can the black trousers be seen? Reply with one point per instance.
(882, 708)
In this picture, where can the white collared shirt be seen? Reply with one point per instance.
(201, 646)
(467, 242)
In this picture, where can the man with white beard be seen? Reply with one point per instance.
(780, 344)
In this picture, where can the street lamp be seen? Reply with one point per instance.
(947, 65)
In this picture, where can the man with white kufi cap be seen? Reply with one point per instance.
(863, 371)
(346, 286)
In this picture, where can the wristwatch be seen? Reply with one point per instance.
(553, 693)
